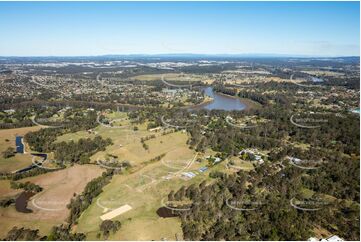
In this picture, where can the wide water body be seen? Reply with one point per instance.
(222, 102)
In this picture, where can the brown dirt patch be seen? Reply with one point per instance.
(59, 187)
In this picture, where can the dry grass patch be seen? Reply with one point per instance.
(6, 191)
(59, 187)
(127, 146)
(10, 134)
(7, 139)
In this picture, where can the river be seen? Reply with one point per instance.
(221, 102)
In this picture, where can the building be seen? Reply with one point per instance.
(332, 238)
(203, 169)
(295, 160)
(252, 155)
(188, 175)
(9, 111)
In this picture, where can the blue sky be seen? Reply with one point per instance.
(97, 28)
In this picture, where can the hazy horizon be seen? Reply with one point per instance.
(245, 55)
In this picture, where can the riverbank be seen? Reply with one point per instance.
(250, 104)
(205, 102)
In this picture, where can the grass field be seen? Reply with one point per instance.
(127, 145)
(135, 153)
(7, 139)
(240, 164)
(50, 204)
(118, 135)
(144, 191)
(144, 186)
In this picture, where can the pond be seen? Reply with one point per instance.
(19, 144)
(164, 212)
(21, 202)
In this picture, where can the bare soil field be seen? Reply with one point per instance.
(49, 206)
(59, 187)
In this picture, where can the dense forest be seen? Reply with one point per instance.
(81, 151)
(267, 193)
